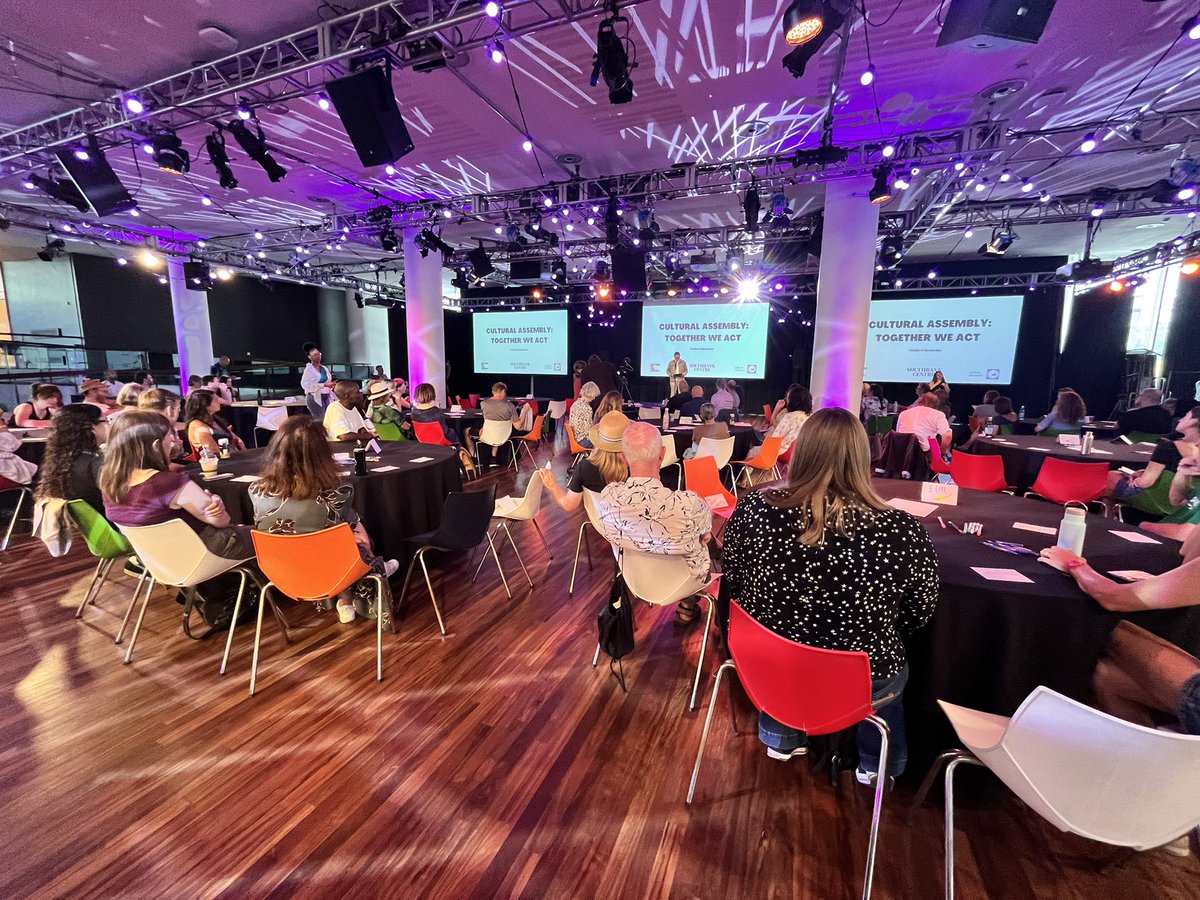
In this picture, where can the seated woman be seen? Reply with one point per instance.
(1068, 414)
(779, 409)
(382, 410)
(798, 406)
(139, 488)
(71, 467)
(426, 409)
(13, 467)
(603, 466)
(610, 402)
(708, 428)
(204, 428)
(127, 398)
(1167, 457)
(162, 401)
(580, 418)
(44, 400)
(1004, 414)
(826, 562)
(300, 491)
(871, 405)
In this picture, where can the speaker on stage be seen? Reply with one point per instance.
(96, 180)
(367, 107)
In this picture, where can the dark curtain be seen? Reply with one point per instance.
(1183, 343)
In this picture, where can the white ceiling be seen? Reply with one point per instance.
(706, 67)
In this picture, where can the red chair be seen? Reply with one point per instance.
(939, 465)
(812, 690)
(23, 491)
(701, 476)
(431, 433)
(474, 401)
(978, 471)
(767, 413)
(1064, 481)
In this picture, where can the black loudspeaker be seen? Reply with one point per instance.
(367, 107)
(527, 269)
(96, 180)
(481, 265)
(197, 276)
(995, 24)
(628, 269)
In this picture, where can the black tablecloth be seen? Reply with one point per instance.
(33, 448)
(991, 643)
(394, 505)
(244, 418)
(1023, 455)
(742, 440)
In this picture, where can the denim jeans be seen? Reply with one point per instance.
(888, 699)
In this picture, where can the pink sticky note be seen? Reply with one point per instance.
(1001, 574)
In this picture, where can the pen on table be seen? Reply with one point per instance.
(942, 523)
(956, 528)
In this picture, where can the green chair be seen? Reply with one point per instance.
(388, 431)
(106, 544)
(1142, 437)
(1050, 432)
(1156, 499)
(880, 425)
(1004, 429)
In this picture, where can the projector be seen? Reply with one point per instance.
(1086, 270)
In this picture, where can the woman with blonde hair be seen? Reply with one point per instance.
(610, 402)
(581, 419)
(603, 466)
(163, 401)
(824, 561)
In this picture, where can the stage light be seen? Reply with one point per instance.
(497, 52)
(492, 9)
(1192, 27)
(932, 274)
(243, 111)
(169, 154)
(28, 184)
(1186, 192)
(1026, 185)
(1116, 286)
(981, 185)
(148, 148)
(536, 294)
(1002, 238)
(1044, 197)
(389, 169)
(499, 229)
(527, 145)
(803, 21)
(748, 289)
(134, 104)
(901, 183)
(1097, 210)
(54, 247)
(1190, 266)
(959, 165)
(881, 191)
(258, 235)
(547, 202)
(255, 145)
(206, 200)
(891, 250)
(612, 59)
(388, 241)
(162, 279)
(137, 214)
(752, 207)
(149, 259)
(81, 154)
(1006, 175)
(1089, 143)
(889, 150)
(323, 100)
(968, 233)
(604, 290)
(867, 76)
(224, 274)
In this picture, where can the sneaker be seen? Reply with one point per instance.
(1181, 846)
(785, 755)
(390, 567)
(345, 612)
(868, 778)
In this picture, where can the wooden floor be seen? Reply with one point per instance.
(493, 763)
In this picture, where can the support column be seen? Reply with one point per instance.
(844, 285)
(423, 316)
(193, 332)
(367, 334)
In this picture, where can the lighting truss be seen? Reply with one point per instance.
(297, 64)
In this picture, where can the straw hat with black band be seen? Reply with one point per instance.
(609, 433)
(379, 392)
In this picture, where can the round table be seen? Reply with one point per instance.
(394, 505)
(243, 416)
(33, 445)
(742, 439)
(1023, 455)
(990, 643)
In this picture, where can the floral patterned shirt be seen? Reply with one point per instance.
(642, 514)
(286, 515)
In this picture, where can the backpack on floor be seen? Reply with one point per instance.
(615, 627)
(213, 601)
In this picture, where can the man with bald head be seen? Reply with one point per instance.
(343, 421)
(640, 513)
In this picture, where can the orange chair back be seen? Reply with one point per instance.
(978, 471)
(974, 423)
(431, 433)
(313, 566)
(576, 447)
(535, 433)
(702, 477)
(767, 412)
(768, 455)
(935, 457)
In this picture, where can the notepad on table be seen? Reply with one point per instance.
(912, 507)
(417, 460)
(385, 469)
(1135, 537)
(1001, 575)
(246, 479)
(1040, 529)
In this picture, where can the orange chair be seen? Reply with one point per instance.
(974, 423)
(766, 461)
(532, 437)
(1063, 481)
(767, 412)
(577, 448)
(939, 465)
(431, 433)
(701, 476)
(314, 567)
(978, 471)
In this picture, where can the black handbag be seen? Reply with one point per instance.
(615, 627)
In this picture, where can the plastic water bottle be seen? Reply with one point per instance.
(1021, 414)
(666, 420)
(1073, 530)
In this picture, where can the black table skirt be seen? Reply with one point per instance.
(244, 419)
(989, 643)
(393, 505)
(742, 441)
(1022, 461)
(32, 450)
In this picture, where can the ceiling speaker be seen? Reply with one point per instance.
(96, 180)
(367, 107)
(995, 24)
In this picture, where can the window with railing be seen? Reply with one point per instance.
(1153, 308)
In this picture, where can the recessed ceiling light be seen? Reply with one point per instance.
(1151, 225)
(753, 128)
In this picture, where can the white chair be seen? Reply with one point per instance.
(649, 414)
(662, 580)
(556, 409)
(1082, 770)
(671, 458)
(175, 556)
(23, 491)
(590, 499)
(519, 509)
(495, 434)
(270, 418)
(720, 449)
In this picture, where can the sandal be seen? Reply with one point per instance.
(687, 611)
